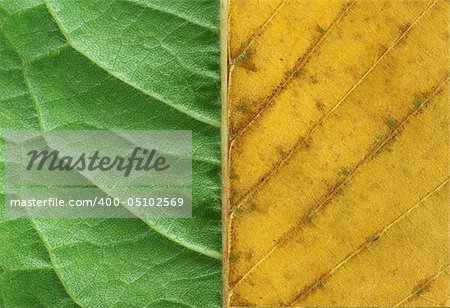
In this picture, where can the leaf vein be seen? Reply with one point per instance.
(186, 111)
(422, 286)
(317, 208)
(321, 121)
(246, 45)
(305, 292)
(192, 21)
(207, 252)
(301, 62)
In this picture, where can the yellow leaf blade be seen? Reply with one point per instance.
(338, 188)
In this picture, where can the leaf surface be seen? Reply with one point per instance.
(338, 154)
(139, 65)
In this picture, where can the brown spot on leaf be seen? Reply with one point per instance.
(319, 105)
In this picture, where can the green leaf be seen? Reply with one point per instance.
(142, 65)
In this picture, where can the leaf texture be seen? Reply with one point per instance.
(139, 65)
(338, 186)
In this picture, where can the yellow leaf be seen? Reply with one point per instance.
(338, 154)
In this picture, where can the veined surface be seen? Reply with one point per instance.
(121, 65)
(338, 153)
